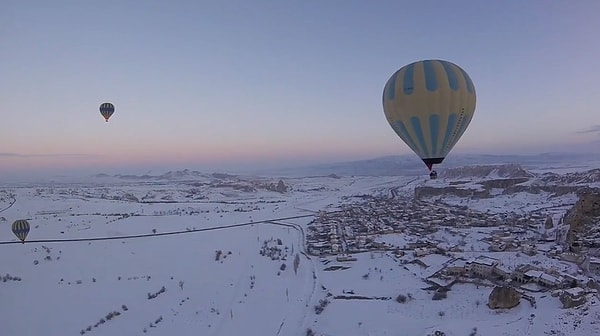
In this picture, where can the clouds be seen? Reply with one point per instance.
(595, 129)
(71, 156)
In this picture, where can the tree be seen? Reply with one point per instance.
(296, 263)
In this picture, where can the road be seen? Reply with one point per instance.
(14, 200)
(273, 221)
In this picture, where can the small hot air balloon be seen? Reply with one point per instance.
(21, 228)
(107, 110)
(429, 105)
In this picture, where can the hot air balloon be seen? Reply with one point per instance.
(21, 228)
(107, 110)
(429, 105)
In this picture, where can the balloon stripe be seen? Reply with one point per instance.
(391, 86)
(470, 86)
(409, 84)
(402, 132)
(434, 129)
(452, 79)
(452, 119)
(430, 78)
(416, 124)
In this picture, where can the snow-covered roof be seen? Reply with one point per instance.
(550, 278)
(457, 263)
(534, 273)
(485, 260)
(577, 291)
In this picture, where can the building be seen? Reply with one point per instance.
(572, 297)
(456, 268)
(539, 277)
(529, 249)
(422, 251)
(594, 265)
(550, 281)
(502, 272)
(482, 266)
(498, 246)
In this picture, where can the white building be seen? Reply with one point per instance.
(481, 266)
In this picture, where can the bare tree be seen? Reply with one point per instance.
(296, 263)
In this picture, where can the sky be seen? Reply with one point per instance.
(206, 84)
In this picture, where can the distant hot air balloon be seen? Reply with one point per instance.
(107, 110)
(21, 228)
(429, 104)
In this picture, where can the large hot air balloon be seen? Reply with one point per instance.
(107, 110)
(21, 228)
(429, 104)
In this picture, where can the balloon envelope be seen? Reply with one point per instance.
(20, 228)
(107, 110)
(429, 105)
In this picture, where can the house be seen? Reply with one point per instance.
(421, 251)
(572, 297)
(532, 275)
(594, 265)
(456, 268)
(482, 266)
(550, 281)
(573, 280)
(541, 278)
(398, 253)
(529, 249)
(502, 272)
(497, 246)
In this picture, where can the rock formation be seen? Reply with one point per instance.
(493, 171)
(584, 219)
(280, 187)
(503, 298)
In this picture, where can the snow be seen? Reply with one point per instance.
(65, 287)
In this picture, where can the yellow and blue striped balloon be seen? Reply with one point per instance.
(21, 228)
(429, 104)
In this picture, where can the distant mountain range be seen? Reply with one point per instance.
(404, 165)
(407, 165)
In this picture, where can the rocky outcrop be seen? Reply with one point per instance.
(493, 171)
(503, 183)
(503, 298)
(590, 176)
(584, 219)
(421, 192)
(536, 189)
(280, 187)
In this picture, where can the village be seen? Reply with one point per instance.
(468, 240)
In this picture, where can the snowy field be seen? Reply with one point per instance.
(250, 279)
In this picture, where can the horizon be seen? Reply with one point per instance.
(216, 85)
(410, 159)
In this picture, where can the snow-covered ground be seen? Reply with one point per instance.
(239, 280)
